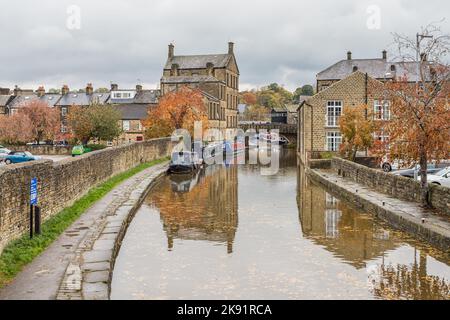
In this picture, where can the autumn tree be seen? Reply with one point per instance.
(15, 129)
(45, 121)
(176, 110)
(419, 128)
(101, 122)
(256, 113)
(249, 98)
(357, 128)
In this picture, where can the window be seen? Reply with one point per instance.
(334, 140)
(126, 125)
(382, 110)
(63, 129)
(64, 111)
(334, 110)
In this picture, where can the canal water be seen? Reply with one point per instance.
(231, 233)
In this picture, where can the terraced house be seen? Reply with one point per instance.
(216, 75)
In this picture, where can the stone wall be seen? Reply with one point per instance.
(62, 183)
(396, 186)
(44, 150)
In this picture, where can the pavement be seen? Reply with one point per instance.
(426, 224)
(56, 273)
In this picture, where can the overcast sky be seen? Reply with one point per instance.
(121, 41)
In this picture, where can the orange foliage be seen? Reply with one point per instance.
(176, 110)
(249, 98)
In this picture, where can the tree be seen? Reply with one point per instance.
(419, 129)
(101, 122)
(45, 121)
(176, 110)
(15, 129)
(357, 128)
(102, 90)
(307, 90)
(249, 98)
(256, 113)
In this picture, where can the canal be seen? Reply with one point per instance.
(231, 233)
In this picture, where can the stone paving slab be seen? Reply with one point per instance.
(61, 270)
(422, 223)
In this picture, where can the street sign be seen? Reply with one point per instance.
(34, 192)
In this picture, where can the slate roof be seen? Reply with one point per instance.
(189, 79)
(4, 99)
(51, 98)
(147, 97)
(199, 61)
(82, 99)
(375, 68)
(18, 101)
(133, 111)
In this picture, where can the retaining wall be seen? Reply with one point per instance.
(396, 186)
(62, 183)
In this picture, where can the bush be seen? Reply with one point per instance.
(95, 147)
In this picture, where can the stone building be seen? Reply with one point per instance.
(318, 117)
(378, 68)
(216, 75)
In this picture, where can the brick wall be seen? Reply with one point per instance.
(396, 186)
(61, 183)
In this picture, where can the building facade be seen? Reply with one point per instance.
(216, 75)
(318, 117)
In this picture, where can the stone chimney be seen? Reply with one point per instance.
(384, 55)
(65, 89)
(17, 90)
(349, 55)
(40, 91)
(171, 50)
(210, 69)
(230, 48)
(114, 87)
(89, 89)
(138, 88)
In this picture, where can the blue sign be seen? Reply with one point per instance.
(34, 192)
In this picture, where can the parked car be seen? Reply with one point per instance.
(19, 157)
(432, 168)
(441, 178)
(78, 150)
(3, 153)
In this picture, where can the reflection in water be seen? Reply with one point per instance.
(213, 193)
(357, 239)
(231, 233)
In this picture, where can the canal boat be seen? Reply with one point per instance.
(183, 162)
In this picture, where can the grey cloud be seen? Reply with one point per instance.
(122, 40)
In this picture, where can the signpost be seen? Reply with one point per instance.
(33, 207)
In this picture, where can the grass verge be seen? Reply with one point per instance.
(22, 251)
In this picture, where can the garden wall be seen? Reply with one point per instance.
(61, 183)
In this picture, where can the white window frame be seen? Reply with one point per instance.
(126, 125)
(333, 141)
(64, 111)
(382, 110)
(334, 111)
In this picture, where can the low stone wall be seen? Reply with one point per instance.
(44, 150)
(62, 183)
(396, 186)
(319, 164)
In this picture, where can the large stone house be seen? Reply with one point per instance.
(318, 117)
(216, 75)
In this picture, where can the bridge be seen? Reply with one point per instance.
(287, 130)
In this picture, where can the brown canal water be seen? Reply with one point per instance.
(232, 233)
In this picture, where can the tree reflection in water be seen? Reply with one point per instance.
(199, 207)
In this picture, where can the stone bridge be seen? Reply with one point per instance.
(287, 130)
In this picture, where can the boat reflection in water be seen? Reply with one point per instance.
(213, 192)
(396, 269)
